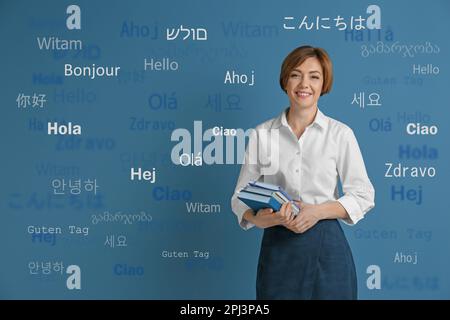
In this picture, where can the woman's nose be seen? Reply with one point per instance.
(303, 82)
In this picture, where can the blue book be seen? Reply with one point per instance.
(268, 186)
(260, 195)
(256, 201)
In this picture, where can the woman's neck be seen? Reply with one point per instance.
(299, 118)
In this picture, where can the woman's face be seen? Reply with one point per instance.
(305, 84)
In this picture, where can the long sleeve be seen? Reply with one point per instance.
(249, 171)
(359, 194)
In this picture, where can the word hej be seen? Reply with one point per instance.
(197, 33)
(371, 22)
(146, 175)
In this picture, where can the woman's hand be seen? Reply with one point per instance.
(309, 215)
(266, 218)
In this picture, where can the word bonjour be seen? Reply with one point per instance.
(90, 72)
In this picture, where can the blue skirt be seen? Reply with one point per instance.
(317, 264)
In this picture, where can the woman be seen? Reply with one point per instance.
(307, 256)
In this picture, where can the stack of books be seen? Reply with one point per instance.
(260, 195)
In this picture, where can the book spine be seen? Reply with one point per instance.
(274, 204)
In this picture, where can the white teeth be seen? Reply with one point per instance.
(303, 94)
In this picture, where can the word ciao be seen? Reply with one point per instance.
(420, 129)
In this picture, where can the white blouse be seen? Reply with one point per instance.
(309, 168)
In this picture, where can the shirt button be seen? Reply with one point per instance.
(296, 170)
(298, 153)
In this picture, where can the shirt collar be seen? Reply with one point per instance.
(320, 120)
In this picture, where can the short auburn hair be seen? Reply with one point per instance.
(298, 56)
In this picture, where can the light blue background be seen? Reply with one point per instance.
(230, 272)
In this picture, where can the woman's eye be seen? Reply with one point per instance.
(315, 77)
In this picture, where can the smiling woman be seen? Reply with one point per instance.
(306, 256)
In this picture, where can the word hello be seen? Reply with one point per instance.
(425, 70)
(413, 117)
(160, 65)
(419, 129)
(143, 175)
(235, 78)
(55, 128)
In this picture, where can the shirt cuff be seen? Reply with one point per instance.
(354, 211)
(239, 209)
(242, 222)
(245, 224)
